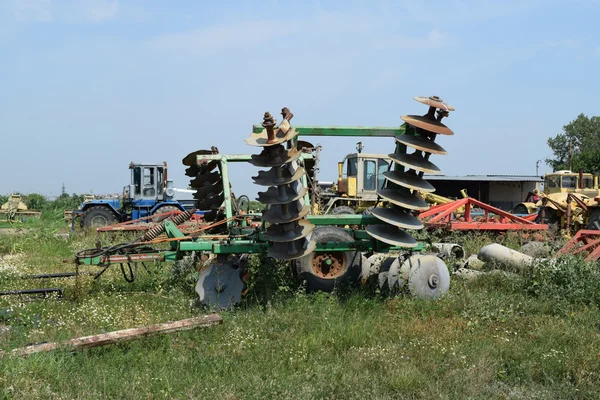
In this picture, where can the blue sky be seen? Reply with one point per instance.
(90, 85)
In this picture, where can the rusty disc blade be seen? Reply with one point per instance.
(428, 124)
(270, 178)
(291, 250)
(397, 217)
(421, 143)
(272, 157)
(277, 215)
(289, 232)
(274, 196)
(211, 202)
(415, 162)
(209, 189)
(191, 159)
(404, 199)
(201, 179)
(391, 235)
(434, 101)
(281, 136)
(409, 180)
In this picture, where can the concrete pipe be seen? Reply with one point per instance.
(503, 256)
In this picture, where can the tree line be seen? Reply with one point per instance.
(39, 202)
(578, 146)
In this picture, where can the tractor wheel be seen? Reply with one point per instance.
(162, 210)
(594, 221)
(520, 209)
(342, 210)
(98, 216)
(324, 270)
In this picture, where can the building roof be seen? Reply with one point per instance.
(485, 178)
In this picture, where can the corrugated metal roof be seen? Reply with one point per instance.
(485, 178)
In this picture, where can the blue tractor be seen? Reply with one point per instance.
(149, 193)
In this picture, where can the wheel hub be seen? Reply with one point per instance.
(328, 265)
(433, 281)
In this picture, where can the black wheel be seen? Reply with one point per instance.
(324, 270)
(520, 209)
(98, 216)
(243, 204)
(594, 221)
(162, 210)
(342, 210)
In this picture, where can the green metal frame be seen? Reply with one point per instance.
(341, 131)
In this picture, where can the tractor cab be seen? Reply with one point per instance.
(361, 175)
(570, 182)
(148, 182)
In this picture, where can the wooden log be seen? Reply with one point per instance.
(119, 336)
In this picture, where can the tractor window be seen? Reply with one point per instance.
(137, 179)
(160, 180)
(568, 182)
(369, 173)
(552, 182)
(588, 182)
(149, 182)
(382, 166)
(352, 167)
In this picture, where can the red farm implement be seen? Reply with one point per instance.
(584, 242)
(471, 214)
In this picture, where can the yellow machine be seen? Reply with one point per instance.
(68, 214)
(557, 186)
(15, 209)
(360, 175)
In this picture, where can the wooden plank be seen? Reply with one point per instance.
(119, 336)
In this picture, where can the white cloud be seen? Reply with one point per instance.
(96, 10)
(333, 30)
(33, 10)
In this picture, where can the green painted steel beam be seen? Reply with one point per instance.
(350, 131)
(344, 219)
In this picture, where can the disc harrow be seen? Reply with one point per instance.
(285, 210)
(206, 181)
(403, 182)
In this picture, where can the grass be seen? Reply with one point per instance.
(493, 338)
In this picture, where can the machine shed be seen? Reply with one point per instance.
(502, 191)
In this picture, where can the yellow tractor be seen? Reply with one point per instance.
(563, 190)
(360, 175)
(16, 210)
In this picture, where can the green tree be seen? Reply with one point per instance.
(35, 201)
(581, 137)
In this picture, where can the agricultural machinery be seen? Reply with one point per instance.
(324, 250)
(16, 210)
(149, 193)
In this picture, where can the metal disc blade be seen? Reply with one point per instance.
(434, 101)
(391, 235)
(291, 250)
(278, 215)
(397, 217)
(415, 162)
(421, 143)
(428, 277)
(209, 189)
(281, 136)
(210, 202)
(192, 170)
(270, 178)
(192, 158)
(289, 232)
(220, 286)
(427, 123)
(272, 157)
(401, 198)
(272, 195)
(409, 180)
(202, 179)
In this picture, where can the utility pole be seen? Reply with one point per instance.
(570, 155)
(537, 167)
(63, 189)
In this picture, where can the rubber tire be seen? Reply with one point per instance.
(353, 261)
(97, 211)
(342, 210)
(161, 210)
(520, 209)
(594, 221)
